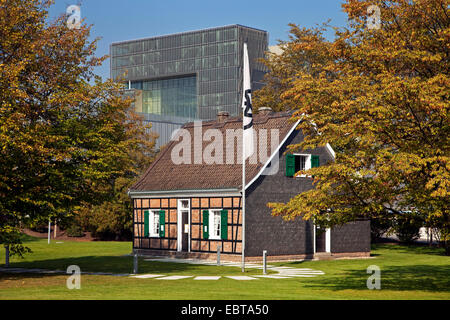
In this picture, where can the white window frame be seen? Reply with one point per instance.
(151, 224)
(327, 239)
(180, 227)
(212, 214)
(307, 163)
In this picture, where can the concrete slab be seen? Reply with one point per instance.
(273, 277)
(147, 276)
(308, 272)
(207, 278)
(174, 277)
(241, 278)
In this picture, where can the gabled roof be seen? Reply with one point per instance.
(165, 175)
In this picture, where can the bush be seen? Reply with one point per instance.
(111, 220)
(407, 226)
(75, 231)
(40, 227)
(379, 227)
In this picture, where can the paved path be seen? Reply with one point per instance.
(282, 272)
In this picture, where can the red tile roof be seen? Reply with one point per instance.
(164, 175)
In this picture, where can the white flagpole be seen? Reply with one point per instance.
(247, 137)
(244, 62)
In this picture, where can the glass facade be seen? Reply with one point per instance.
(169, 97)
(191, 75)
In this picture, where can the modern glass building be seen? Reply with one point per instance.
(188, 76)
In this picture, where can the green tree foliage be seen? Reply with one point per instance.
(407, 226)
(380, 97)
(64, 134)
(380, 227)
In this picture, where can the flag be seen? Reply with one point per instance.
(247, 119)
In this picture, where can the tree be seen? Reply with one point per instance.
(112, 216)
(380, 97)
(63, 132)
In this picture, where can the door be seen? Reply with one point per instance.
(185, 233)
(183, 225)
(320, 240)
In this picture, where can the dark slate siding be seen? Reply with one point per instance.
(265, 232)
(351, 237)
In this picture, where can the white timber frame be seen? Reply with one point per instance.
(180, 227)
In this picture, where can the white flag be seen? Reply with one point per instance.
(247, 109)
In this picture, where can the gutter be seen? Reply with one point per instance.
(190, 192)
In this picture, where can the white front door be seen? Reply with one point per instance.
(183, 226)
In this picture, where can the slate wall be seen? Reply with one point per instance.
(351, 237)
(265, 232)
(279, 237)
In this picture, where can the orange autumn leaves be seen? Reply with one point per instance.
(63, 131)
(381, 99)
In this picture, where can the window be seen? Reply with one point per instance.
(185, 204)
(300, 162)
(169, 97)
(215, 224)
(154, 223)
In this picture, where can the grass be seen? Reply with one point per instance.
(406, 273)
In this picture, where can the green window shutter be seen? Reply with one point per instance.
(146, 223)
(224, 224)
(162, 223)
(315, 161)
(290, 165)
(205, 224)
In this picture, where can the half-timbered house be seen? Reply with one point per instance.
(189, 200)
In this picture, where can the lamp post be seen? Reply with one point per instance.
(49, 227)
(6, 256)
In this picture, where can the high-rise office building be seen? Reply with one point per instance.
(188, 76)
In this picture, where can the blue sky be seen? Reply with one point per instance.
(114, 20)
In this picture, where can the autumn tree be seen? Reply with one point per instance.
(64, 133)
(380, 97)
(111, 216)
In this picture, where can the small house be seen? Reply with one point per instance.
(188, 203)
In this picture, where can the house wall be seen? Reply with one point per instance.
(265, 232)
(296, 237)
(197, 204)
(351, 237)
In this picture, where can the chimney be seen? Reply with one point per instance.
(222, 116)
(264, 111)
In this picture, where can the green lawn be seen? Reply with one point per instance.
(406, 273)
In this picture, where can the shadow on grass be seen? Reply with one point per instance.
(399, 278)
(27, 238)
(120, 264)
(5, 276)
(412, 249)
